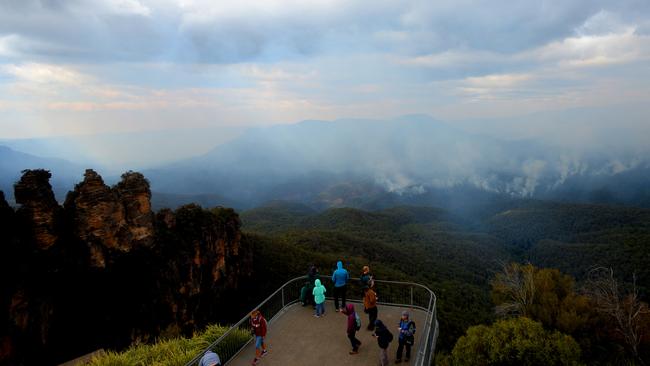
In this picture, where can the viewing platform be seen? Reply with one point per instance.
(296, 337)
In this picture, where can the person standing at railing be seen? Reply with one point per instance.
(384, 337)
(406, 336)
(312, 276)
(367, 278)
(370, 307)
(259, 327)
(210, 359)
(319, 298)
(340, 277)
(354, 324)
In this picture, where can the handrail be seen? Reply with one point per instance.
(427, 342)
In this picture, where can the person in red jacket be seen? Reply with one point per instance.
(258, 326)
(353, 326)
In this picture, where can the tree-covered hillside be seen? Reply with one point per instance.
(455, 256)
(418, 244)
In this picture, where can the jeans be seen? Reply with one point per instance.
(372, 316)
(259, 342)
(354, 341)
(320, 309)
(339, 292)
(400, 347)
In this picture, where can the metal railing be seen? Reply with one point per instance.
(390, 293)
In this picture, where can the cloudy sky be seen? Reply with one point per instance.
(99, 66)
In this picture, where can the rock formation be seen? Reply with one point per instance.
(39, 208)
(111, 219)
(104, 270)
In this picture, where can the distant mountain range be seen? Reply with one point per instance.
(411, 159)
(12, 163)
(373, 164)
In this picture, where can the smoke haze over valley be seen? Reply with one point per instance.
(165, 165)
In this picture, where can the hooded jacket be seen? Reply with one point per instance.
(352, 319)
(384, 336)
(341, 276)
(319, 292)
(210, 359)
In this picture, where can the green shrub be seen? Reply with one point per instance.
(171, 352)
(517, 341)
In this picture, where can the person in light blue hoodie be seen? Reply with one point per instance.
(210, 359)
(340, 277)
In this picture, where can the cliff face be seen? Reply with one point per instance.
(109, 219)
(105, 271)
(39, 208)
(208, 241)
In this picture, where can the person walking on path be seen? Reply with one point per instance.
(384, 337)
(258, 326)
(406, 337)
(210, 359)
(319, 297)
(354, 323)
(370, 307)
(340, 277)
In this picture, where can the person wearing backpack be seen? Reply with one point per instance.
(354, 324)
(340, 277)
(406, 337)
(319, 297)
(384, 337)
(370, 306)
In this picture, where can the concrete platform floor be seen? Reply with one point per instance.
(297, 338)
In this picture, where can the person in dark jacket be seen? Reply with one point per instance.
(352, 328)
(406, 337)
(259, 326)
(384, 337)
(340, 277)
(312, 276)
(367, 278)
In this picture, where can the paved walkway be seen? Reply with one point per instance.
(297, 338)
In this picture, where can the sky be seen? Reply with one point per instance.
(75, 67)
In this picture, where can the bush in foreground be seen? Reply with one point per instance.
(172, 352)
(516, 341)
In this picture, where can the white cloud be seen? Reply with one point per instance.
(44, 73)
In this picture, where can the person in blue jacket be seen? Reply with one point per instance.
(406, 336)
(340, 277)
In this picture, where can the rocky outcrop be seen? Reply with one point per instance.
(39, 208)
(111, 219)
(212, 257)
(104, 271)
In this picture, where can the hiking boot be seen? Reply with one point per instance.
(264, 353)
(316, 316)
